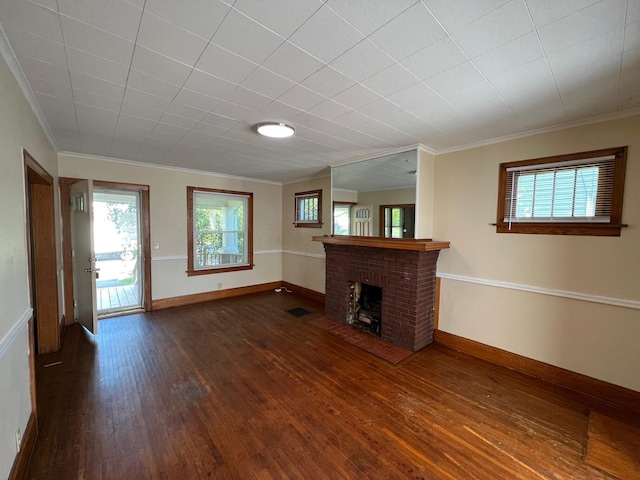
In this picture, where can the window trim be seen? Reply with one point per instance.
(306, 224)
(191, 271)
(556, 227)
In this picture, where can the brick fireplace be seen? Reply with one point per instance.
(404, 269)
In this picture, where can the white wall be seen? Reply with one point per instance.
(168, 205)
(19, 129)
(547, 297)
(303, 259)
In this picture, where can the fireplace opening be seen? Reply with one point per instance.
(365, 307)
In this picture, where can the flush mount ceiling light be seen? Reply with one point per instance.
(275, 130)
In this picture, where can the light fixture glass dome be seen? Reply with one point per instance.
(275, 130)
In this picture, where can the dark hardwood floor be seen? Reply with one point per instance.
(239, 389)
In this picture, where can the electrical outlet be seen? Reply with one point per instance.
(219, 285)
(18, 440)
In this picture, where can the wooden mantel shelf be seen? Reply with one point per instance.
(418, 245)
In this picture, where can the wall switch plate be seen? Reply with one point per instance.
(156, 245)
(18, 440)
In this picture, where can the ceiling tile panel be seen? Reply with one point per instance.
(160, 66)
(178, 121)
(449, 81)
(201, 17)
(435, 58)
(292, 62)
(598, 19)
(208, 84)
(92, 40)
(145, 99)
(328, 82)
(152, 85)
(244, 37)
(390, 80)
(82, 62)
(247, 98)
(366, 16)
(362, 61)
(28, 45)
(194, 100)
(186, 111)
(356, 97)
(458, 14)
(52, 89)
(409, 32)
(116, 17)
(325, 35)
(267, 83)
(500, 26)
(632, 36)
(281, 16)
(517, 52)
(222, 63)
(629, 94)
(41, 69)
(545, 12)
(140, 111)
(32, 18)
(96, 85)
(301, 97)
(329, 109)
(588, 52)
(589, 88)
(170, 40)
(98, 101)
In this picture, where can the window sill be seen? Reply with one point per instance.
(308, 225)
(209, 271)
(586, 229)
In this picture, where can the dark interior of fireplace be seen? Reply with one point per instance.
(365, 307)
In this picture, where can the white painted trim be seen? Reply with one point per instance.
(384, 153)
(184, 257)
(305, 254)
(9, 338)
(618, 302)
(168, 257)
(165, 167)
(12, 61)
(264, 252)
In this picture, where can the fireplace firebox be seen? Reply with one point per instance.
(364, 309)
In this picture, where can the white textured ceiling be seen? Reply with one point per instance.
(184, 83)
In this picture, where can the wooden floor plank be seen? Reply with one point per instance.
(238, 389)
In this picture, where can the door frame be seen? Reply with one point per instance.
(145, 226)
(381, 226)
(42, 261)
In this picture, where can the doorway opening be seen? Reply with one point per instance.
(117, 240)
(398, 221)
(132, 247)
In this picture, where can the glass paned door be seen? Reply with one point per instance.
(117, 241)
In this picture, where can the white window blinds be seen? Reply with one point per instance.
(570, 191)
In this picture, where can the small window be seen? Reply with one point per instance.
(308, 207)
(342, 218)
(577, 194)
(220, 237)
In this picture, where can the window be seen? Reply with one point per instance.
(342, 218)
(219, 231)
(308, 207)
(577, 194)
